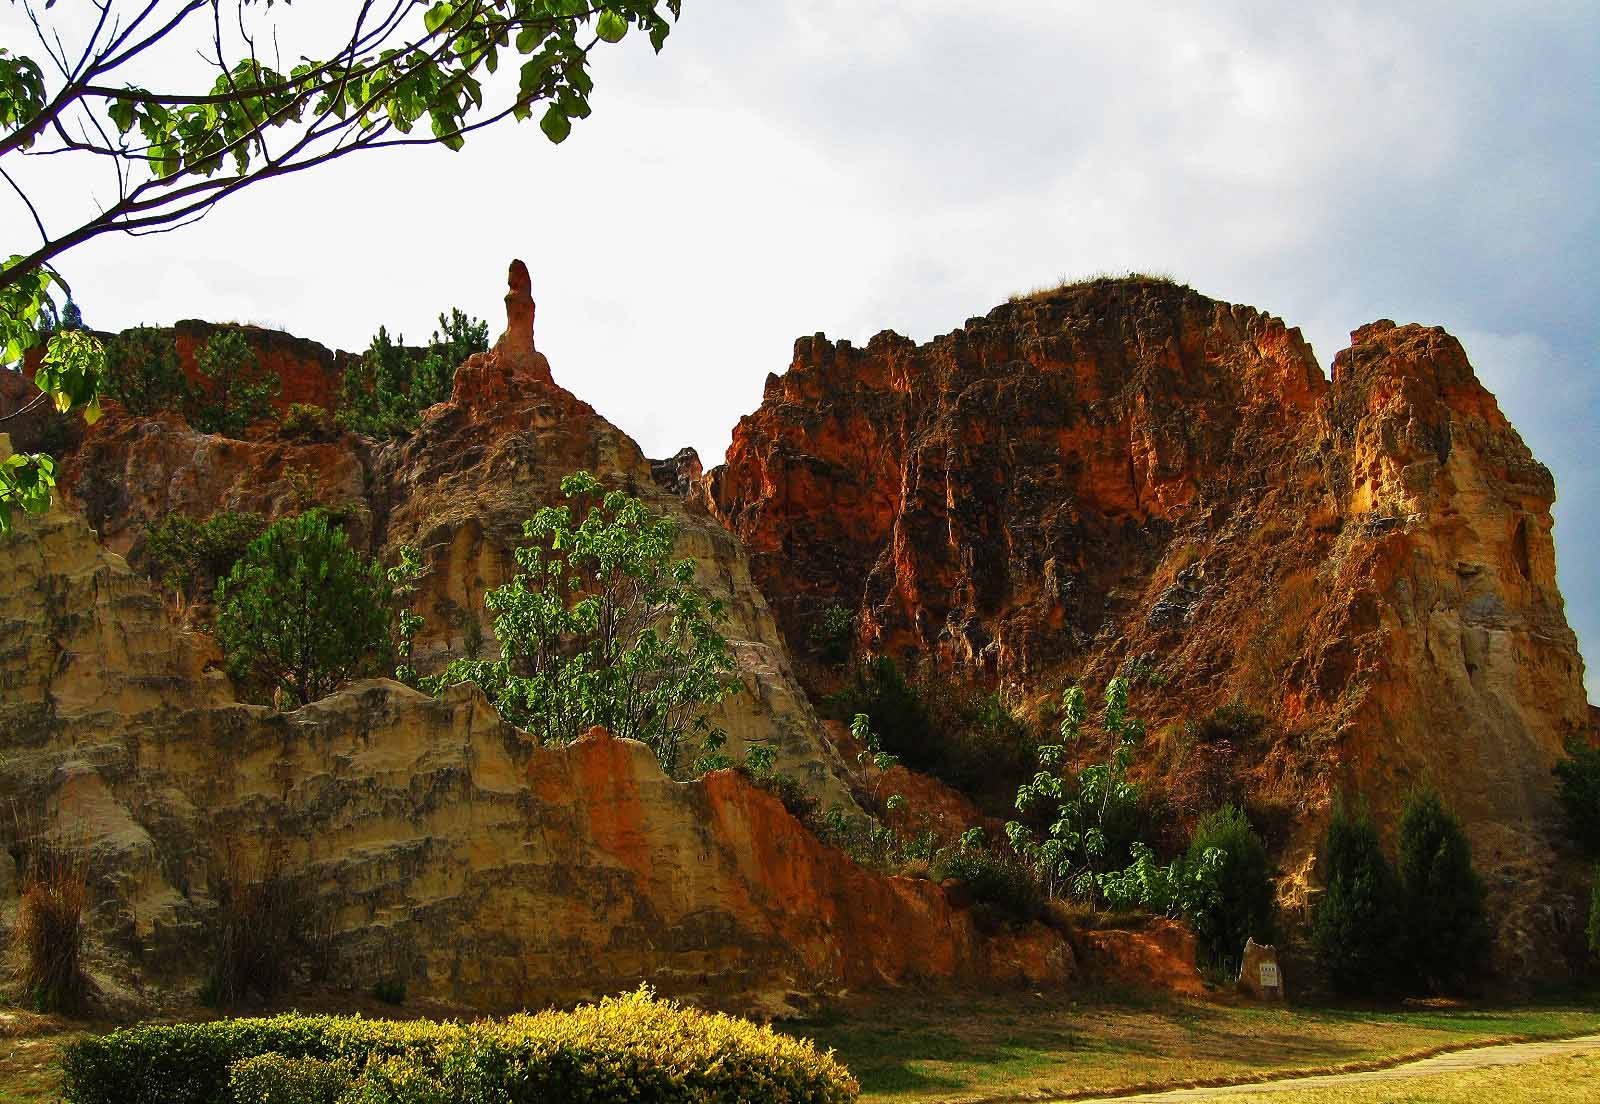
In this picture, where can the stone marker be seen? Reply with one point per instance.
(1259, 976)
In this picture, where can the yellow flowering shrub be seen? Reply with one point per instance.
(624, 1049)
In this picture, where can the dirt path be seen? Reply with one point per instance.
(1508, 1054)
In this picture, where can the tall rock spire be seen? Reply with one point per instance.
(515, 349)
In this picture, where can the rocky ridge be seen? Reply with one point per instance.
(1128, 469)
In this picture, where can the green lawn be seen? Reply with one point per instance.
(920, 1049)
(942, 1049)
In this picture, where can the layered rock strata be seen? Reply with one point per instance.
(426, 840)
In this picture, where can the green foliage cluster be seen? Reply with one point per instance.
(142, 372)
(964, 737)
(384, 394)
(308, 421)
(760, 766)
(624, 1049)
(238, 391)
(994, 876)
(1092, 815)
(280, 1079)
(1578, 788)
(302, 612)
(192, 557)
(833, 636)
(601, 626)
(1446, 921)
(1230, 897)
(1421, 928)
(1221, 887)
(1359, 926)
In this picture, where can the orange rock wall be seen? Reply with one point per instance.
(1127, 469)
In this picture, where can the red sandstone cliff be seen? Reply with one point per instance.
(1129, 469)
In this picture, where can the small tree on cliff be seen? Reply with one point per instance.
(603, 627)
(1447, 921)
(1578, 787)
(142, 371)
(238, 391)
(302, 612)
(1093, 813)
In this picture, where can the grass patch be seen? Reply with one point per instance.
(1066, 283)
(954, 1051)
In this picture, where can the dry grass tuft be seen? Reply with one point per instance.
(1068, 282)
(49, 935)
(262, 926)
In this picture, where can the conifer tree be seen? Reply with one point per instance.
(1358, 929)
(1449, 926)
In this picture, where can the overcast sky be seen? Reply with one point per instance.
(789, 166)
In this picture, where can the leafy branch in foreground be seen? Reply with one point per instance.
(408, 73)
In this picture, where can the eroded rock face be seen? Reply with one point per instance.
(459, 490)
(1128, 469)
(429, 840)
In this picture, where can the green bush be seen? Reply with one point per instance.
(399, 1081)
(141, 371)
(1593, 931)
(1449, 925)
(961, 735)
(190, 1063)
(303, 612)
(238, 392)
(278, 1079)
(384, 394)
(624, 1049)
(308, 421)
(1578, 787)
(1238, 901)
(992, 876)
(1359, 927)
(191, 556)
(603, 626)
(833, 636)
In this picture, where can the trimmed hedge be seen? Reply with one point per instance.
(629, 1048)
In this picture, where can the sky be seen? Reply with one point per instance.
(792, 166)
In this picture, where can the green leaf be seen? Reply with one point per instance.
(556, 125)
(611, 27)
(438, 15)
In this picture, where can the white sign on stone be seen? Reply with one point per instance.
(1269, 975)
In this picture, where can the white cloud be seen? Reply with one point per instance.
(788, 166)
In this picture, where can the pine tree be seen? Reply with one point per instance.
(1242, 903)
(1449, 926)
(1358, 930)
(303, 612)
